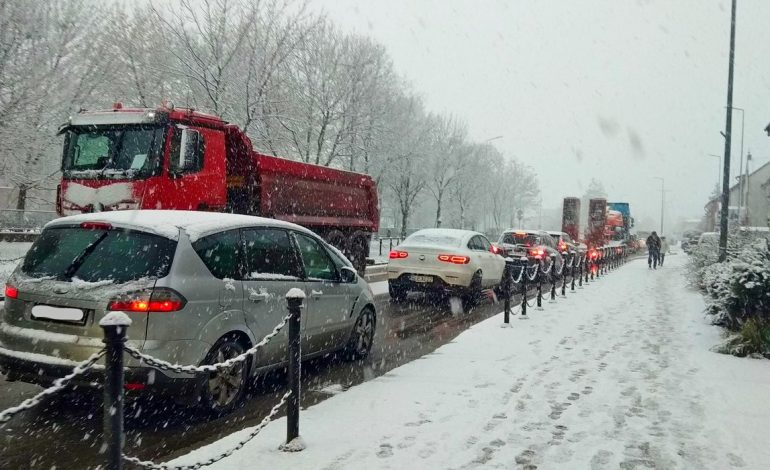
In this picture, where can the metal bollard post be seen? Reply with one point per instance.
(295, 297)
(563, 280)
(508, 288)
(115, 325)
(380, 246)
(572, 289)
(580, 272)
(524, 279)
(553, 278)
(540, 287)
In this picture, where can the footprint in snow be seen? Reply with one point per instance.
(386, 450)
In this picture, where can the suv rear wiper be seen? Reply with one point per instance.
(80, 259)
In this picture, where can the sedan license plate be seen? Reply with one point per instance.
(422, 279)
(65, 314)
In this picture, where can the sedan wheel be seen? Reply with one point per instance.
(225, 388)
(362, 337)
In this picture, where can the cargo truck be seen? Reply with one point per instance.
(171, 158)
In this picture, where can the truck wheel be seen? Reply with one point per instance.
(358, 249)
(337, 239)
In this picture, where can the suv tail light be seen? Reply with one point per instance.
(11, 292)
(456, 259)
(562, 247)
(396, 254)
(537, 253)
(496, 250)
(161, 299)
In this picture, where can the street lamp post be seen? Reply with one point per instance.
(728, 141)
(662, 200)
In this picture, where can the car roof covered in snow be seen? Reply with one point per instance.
(167, 223)
(439, 237)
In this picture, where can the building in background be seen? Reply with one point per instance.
(756, 201)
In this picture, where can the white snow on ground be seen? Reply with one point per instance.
(618, 375)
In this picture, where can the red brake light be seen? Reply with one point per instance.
(537, 253)
(134, 386)
(157, 300)
(594, 254)
(562, 246)
(495, 249)
(95, 226)
(456, 259)
(396, 254)
(11, 292)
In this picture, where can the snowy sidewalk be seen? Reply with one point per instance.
(618, 375)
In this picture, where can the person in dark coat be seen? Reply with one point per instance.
(653, 250)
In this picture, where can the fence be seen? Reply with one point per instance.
(23, 225)
(596, 262)
(115, 325)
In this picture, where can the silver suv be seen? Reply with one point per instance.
(199, 287)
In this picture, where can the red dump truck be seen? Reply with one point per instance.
(169, 158)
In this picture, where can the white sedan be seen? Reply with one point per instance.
(444, 260)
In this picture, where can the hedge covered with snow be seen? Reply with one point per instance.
(737, 291)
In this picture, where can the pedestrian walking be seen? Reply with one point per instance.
(663, 249)
(653, 250)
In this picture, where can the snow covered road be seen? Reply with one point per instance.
(618, 375)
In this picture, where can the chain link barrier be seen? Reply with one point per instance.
(58, 385)
(162, 466)
(206, 368)
(533, 276)
(550, 267)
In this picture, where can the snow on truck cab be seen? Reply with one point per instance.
(182, 159)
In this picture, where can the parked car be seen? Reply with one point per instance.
(450, 261)
(566, 245)
(536, 245)
(199, 287)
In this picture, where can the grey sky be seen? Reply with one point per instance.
(623, 90)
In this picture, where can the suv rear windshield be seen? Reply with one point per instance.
(527, 239)
(98, 255)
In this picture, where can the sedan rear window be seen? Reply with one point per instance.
(526, 239)
(433, 239)
(98, 255)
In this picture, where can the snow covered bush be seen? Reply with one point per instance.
(737, 291)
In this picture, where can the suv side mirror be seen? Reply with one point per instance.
(348, 274)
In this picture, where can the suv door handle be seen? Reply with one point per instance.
(316, 293)
(258, 296)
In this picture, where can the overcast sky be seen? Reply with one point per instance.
(623, 90)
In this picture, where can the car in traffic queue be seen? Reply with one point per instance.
(444, 261)
(568, 247)
(199, 288)
(538, 247)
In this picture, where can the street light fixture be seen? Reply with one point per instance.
(662, 200)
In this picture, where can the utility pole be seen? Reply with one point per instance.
(728, 141)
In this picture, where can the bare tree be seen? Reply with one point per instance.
(409, 179)
(448, 154)
(206, 38)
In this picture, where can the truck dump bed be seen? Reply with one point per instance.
(315, 196)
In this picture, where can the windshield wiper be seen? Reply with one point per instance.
(80, 259)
